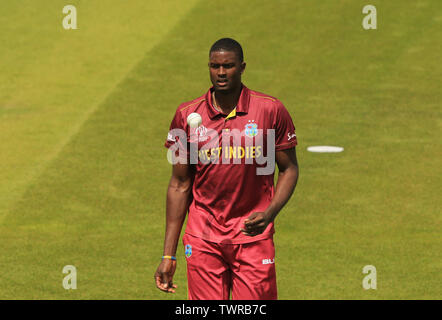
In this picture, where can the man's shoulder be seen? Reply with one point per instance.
(192, 105)
(259, 95)
(264, 100)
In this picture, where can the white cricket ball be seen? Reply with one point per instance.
(194, 120)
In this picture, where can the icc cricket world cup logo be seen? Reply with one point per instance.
(201, 133)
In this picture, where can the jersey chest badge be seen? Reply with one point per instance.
(251, 129)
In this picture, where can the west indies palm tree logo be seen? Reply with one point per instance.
(188, 250)
(251, 129)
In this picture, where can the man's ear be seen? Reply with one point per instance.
(243, 67)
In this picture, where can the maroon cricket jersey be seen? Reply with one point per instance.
(226, 187)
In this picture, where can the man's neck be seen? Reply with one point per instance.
(226, 102)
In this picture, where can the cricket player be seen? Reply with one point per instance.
(232, 205)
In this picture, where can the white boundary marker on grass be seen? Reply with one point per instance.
(325, 149)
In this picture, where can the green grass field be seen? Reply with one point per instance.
(84, 114)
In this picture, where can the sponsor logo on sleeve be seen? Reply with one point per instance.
(170, 137)
(290, 136)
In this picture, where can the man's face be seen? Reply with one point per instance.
(225, 70)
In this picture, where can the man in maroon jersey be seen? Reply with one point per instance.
(223, 173)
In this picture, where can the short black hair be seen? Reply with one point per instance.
(228, 44)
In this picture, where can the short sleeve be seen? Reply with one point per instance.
(177, 135)
(285, 135)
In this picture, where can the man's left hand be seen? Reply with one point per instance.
(256, 223)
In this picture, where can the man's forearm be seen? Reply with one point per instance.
(284, 189)
(178, 196)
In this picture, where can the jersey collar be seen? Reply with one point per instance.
(242, 106)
